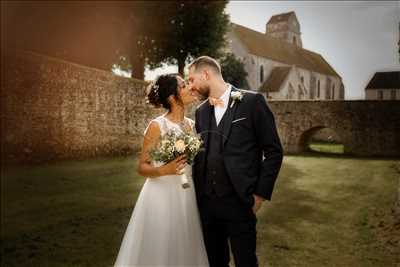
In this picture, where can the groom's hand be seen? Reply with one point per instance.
(257, 203)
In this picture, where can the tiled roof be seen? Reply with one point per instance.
(275, 49)
(385, 80)
(275, 79)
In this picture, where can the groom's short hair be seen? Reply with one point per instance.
(204, 61)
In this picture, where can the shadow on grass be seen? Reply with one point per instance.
(319, 213)
(287, 219)
(292, 206)
(72, 213)
(316, 154)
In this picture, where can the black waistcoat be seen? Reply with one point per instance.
(217, 179)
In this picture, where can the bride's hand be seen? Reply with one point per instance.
(174, 167)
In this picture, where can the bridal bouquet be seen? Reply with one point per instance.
(173, 145)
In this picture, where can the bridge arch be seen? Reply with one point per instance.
(322, 139)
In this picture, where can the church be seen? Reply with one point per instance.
(277, 64)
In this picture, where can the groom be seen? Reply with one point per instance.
(237, 170)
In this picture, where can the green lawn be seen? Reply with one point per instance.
(325, 147)
(74, 213)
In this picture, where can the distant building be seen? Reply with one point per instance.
(278, 66)
(384, 86)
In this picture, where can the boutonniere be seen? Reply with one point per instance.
(236, 96)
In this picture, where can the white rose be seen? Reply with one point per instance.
(236, 96)
(180, 146)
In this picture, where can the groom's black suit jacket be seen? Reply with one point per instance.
(252, 151)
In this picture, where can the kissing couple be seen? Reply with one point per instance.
(229, 178)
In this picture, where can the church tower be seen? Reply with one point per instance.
(285, 27)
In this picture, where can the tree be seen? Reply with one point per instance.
(200, 30)
(233, 71)
(182, 30)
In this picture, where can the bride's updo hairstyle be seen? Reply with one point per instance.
(161, 88)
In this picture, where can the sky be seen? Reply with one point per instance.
(357, 38)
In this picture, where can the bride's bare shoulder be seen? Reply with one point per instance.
(153, 128)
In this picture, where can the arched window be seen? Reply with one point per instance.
(299, 92)
(318, 89)
(294, 40)
(333, 91)
(261, 73)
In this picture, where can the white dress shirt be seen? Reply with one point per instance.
(218, 110)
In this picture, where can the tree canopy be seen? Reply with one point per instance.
(233, 71)
(174, 32)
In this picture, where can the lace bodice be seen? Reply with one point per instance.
(166, 125)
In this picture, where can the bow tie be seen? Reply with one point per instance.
(216, 102)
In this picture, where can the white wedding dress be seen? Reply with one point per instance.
(164, 229)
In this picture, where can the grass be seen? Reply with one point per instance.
(67, 214)
(74, 213)
(323, 211)
(326, 147)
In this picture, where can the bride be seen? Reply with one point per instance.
(164, 229)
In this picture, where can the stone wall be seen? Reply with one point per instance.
(52, 109)
(397, 204)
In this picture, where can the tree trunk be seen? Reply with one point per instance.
(137, 67)
(181, 66)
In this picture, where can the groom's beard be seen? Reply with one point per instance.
(204, 93)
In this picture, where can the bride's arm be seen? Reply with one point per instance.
(145, 168)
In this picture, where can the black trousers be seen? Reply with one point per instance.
(227, 218)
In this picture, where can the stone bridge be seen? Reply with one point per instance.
(365, 128)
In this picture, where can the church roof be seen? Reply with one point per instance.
(275, 49)
(280, 17)
(385, 80)
(275, 79)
